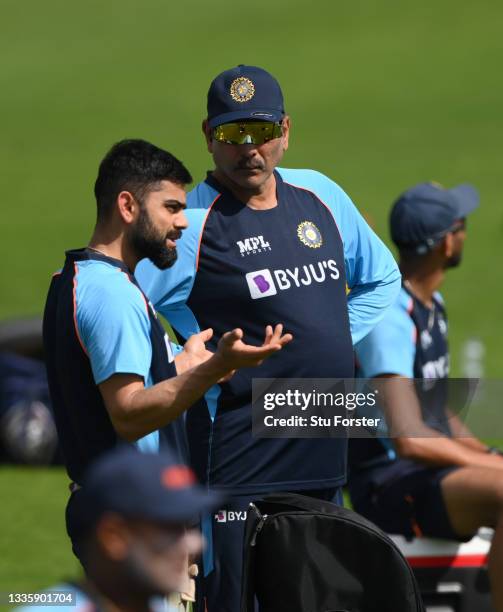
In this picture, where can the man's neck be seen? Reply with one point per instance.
(112, 246)
(422, 283)
(260, 198)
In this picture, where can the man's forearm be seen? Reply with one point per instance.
(417, 441)
(463, 435)
(440, 450)
(137, 411)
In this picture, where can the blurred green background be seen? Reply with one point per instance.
(382, 95)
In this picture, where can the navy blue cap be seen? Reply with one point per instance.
(244, 92)
(139, 485)
(426, 212)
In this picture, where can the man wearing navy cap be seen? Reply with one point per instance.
(133, 530)
(434, 479)
(266, 243)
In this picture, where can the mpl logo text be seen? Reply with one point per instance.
(252, 246)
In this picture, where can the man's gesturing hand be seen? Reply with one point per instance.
(194, 351)
(136, 411)
(234, 353)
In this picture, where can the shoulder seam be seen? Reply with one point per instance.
(202, 230)
(75, 322)
(140, 291)
(322, 201)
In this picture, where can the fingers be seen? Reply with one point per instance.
(285, 339)
(206, 334)
(278, 330)
(259, 352)
(256, 355)
(275, 336)
(271, 335)
(239, 354)
(233, 336)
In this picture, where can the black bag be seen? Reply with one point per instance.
(307, 555)
(27, 429)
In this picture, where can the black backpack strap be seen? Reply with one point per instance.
(254, 519)
(286, 502)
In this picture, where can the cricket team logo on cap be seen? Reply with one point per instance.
(309, 235)
(242, 89)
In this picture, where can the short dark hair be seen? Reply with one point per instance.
(137, 166)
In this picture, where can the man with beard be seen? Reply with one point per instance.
(266, 243)
(434, 478)
(134, 531)
(111, 369)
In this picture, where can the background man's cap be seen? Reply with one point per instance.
(141, 485)
(425, 213)
(244, 92)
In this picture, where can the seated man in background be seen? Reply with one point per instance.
(132, 530)
(442, 482)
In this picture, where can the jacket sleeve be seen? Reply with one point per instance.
(372, 274)
(390, 347)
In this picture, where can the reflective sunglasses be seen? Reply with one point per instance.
(459, 226)
(432, 241)
(252, 132)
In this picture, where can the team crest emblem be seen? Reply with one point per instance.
(442, 326)
(242, 89)
(426, 339)
(309, 235)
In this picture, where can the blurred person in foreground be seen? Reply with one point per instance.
(113, 377)
(133, 527)
(434, 478)
(266, 243)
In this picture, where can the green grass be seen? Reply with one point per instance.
(382, 95)
(34, 548)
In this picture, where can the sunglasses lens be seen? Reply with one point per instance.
(459, 226)
(255, 132)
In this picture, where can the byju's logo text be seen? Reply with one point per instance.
(263, 283)
(229, 516)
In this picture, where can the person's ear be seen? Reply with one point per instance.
(448, 245)
(112, 537)
(127, 206)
